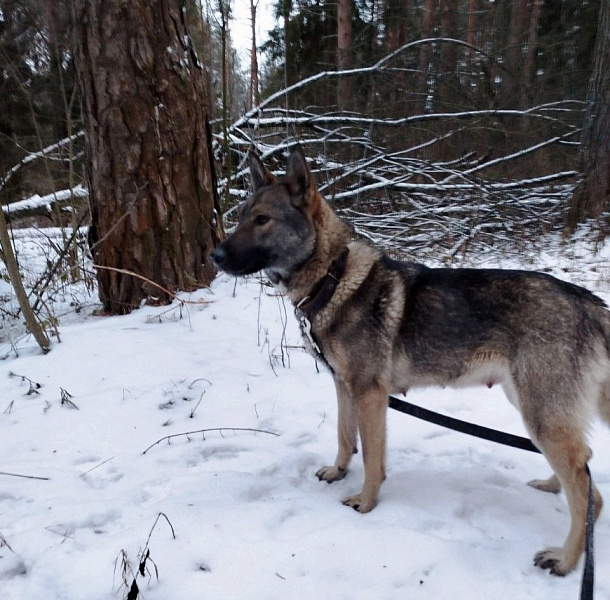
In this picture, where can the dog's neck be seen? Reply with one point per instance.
(333, 235)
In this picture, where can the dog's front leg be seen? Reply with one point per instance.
(347, 432)
(371, 408)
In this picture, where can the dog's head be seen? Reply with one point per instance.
(276, 230)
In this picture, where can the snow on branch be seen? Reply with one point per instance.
(417, 180)
(31, 156)
(44, 205)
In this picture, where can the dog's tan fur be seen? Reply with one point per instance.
(546, 342)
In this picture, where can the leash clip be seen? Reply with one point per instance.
(306, 327)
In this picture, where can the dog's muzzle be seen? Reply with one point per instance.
(219, 256)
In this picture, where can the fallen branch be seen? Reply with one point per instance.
(138, 276)
(25, 476)
(204, 431)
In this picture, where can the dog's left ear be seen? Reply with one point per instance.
(299, 180)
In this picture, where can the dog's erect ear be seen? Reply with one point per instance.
(298, 176)
(300, 182)
(260, 176)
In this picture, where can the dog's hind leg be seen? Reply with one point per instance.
(371, 407)
(565, 448)
(347, 434)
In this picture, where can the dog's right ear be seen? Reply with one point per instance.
(260, 176)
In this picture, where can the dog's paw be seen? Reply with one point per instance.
(359, 503)
(551, 484)
(554, 559)
(331, 474)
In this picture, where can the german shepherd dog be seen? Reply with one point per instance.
(384, 326)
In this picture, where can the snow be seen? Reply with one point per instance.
(35, 201)
(251, 521)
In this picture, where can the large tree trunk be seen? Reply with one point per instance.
(154, 209)
(592, 197)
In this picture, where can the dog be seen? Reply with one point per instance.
(384, 326)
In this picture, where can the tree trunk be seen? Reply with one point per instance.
(397, 19)
(253, 95)
(592, 197)
(530, 55)
(154, 209)
(344, 50)
(471, 36)
(425, 51)
(449, 88)
(513, 81)
(8, 256)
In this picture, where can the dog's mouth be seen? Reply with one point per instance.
(256, 259)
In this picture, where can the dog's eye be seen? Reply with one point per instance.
(261, 219)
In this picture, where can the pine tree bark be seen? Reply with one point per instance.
(154, 208)
(592, 197)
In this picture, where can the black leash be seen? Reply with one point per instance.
(507, 439)
(514, 441)
(588, 572)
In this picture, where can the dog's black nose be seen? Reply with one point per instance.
(218, 255)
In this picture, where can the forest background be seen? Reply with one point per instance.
(434, 126)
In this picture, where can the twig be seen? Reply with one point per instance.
(34, 386)
(66, 399)
(204, 431)
(3, 542)
(138, 276)
(190, 387)
(96, 466)
(192, 415)
(25, 476)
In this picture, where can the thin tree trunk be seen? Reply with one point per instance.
(448, 67)
(397, 24)
(253, 95)
(471, 36)
(344, 50)
(425, 51)
(397, 28)
(224, 7)
(514, 80)
(530, 55)
(31, 322)
(153, 206)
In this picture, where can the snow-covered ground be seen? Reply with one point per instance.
(243, 515)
